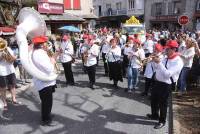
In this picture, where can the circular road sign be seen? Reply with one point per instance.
(183, 20)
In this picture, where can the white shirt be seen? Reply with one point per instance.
(68, 51)
(127, 50)
(93, 52)
(174, 67)
(150, 68)
(181, 47)
(7, 68)
(42, 62)
(136, 58)
(187, 56)
(114, 54)
(105, 48)
(148, 46)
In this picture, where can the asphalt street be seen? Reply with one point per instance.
(80, 110)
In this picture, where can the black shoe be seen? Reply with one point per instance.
(72, 83)
(126, 90)
(49, 123)
(150, 116)
(159, 125)
(91, 86)
(144, 94)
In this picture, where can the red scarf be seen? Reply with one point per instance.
(174, 55)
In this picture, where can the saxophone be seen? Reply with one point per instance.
(51, 54)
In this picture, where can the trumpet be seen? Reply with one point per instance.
(151, 57)
(4, 53)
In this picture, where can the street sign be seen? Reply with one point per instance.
(183, 20)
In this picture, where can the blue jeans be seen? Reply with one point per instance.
(132, 77)
(182, 82)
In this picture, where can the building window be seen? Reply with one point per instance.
(76, 4)
(119, 6)
(108, 6)
(131, 4)
(177, 7)
(67, 4)
(198, 5)
(158, 8)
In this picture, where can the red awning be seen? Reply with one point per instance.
(7, 31)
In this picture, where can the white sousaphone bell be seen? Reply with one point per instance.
(31, 25)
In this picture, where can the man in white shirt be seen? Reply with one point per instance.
(91, 61)
(66, 59)
(148, 45)
(45, 88)
(7, 74)
(166, 73)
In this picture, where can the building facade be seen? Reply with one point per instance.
(114, 12)
(164, 14)
(67, 12)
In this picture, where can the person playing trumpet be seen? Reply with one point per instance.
(7, 73)
(135, 56)
(150, 68)
(167, 72)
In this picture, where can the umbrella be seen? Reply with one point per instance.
(70, 28)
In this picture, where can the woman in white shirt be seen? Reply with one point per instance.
(136, 56)
(114, 63)
(7, 76)
(187, 56)
(127, 48)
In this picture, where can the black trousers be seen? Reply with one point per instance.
(68, 72)
(91, 70)
(148, 84)
(105, 63)
(159, 100)
(46, 97)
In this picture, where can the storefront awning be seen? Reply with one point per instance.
(7, 31)
(89, 16)
(63, 17)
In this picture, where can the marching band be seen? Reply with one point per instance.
(163, 67)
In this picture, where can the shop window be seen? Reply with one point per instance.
(76, 4)
(198, 5)
(177, 7)
(131, 4)
(67, 4)
(119, 6)
(158, 9)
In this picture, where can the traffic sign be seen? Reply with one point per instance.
(183, 20)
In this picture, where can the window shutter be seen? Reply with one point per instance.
(153, 9)
(170, 8)
(76, 4)
(67, 4)
(163, 9)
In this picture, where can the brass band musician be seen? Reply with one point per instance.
(166, 73)
(7, 72)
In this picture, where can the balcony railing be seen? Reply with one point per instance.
(114, 12)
